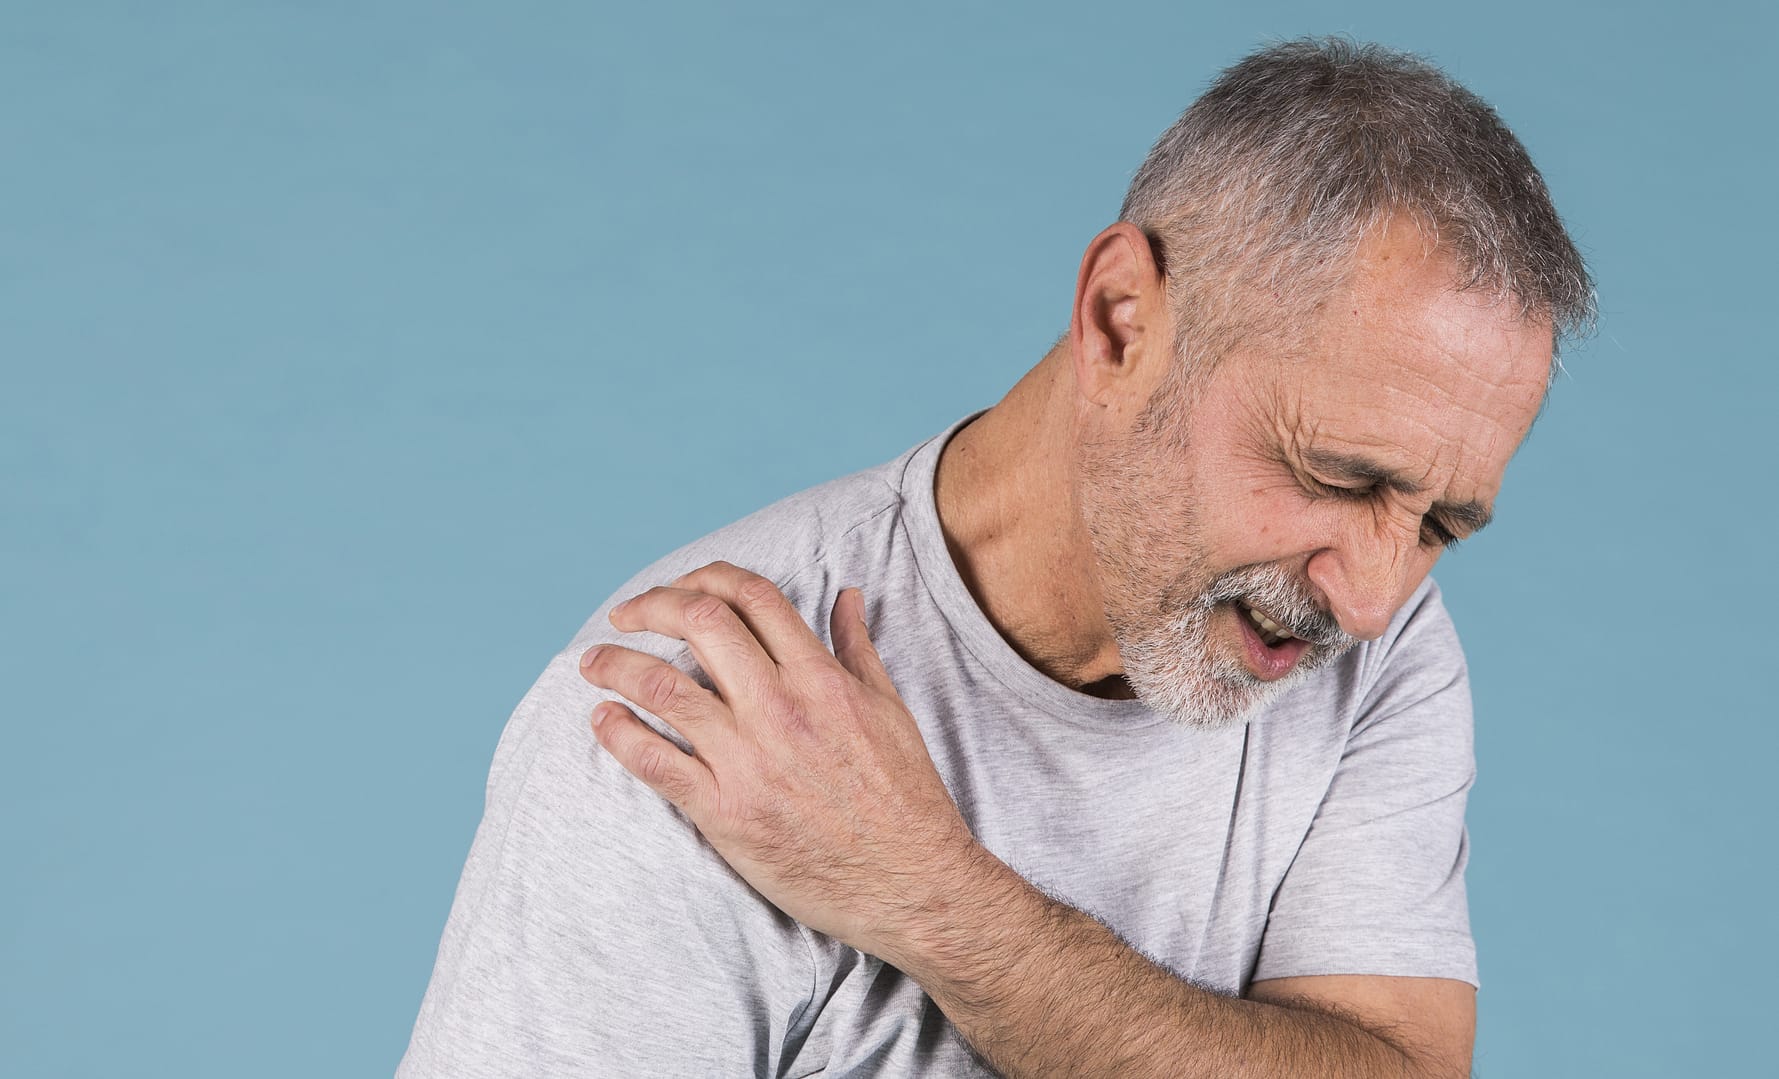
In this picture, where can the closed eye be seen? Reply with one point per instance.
(1433, 533)
(1329, 490)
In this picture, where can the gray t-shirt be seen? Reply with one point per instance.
(595, 933)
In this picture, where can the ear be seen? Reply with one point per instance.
(1120, 328)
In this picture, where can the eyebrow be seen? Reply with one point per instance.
(1472, 516)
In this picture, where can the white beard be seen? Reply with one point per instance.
(1175, 668)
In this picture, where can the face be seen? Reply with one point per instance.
(1285, 509)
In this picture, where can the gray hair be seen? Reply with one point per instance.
(1265, 186)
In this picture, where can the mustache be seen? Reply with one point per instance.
(1282, 598)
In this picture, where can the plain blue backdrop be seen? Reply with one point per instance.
(353, 353)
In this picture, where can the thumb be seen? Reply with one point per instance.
(852, 641)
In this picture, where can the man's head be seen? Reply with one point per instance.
(1257, 196)
(1304, 359)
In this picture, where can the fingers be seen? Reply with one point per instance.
(775, 623)
(721, 642)
(675, 776)
(852, 641)
(656, 685)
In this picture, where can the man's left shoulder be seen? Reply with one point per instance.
(1417, 663)
(1421, 643)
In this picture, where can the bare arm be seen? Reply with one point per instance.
(1040, 989)
(810, 778)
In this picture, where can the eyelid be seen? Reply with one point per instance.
(1442, 535)
(1343, 492)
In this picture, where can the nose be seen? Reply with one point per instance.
(1369, 574)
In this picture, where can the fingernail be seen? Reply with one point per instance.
(590, 655)
(598, 716)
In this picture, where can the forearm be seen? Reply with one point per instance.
(1040, 989)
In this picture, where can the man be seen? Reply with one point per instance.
(1117, 729)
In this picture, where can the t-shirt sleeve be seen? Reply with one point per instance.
(593, 931)
(1377, 886)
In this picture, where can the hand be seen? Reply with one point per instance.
(808, 774)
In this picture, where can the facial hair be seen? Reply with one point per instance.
(1173, 664)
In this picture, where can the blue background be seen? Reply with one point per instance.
(354, 353)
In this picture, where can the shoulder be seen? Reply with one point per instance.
(1422, 631)
(805, 543)
(1418, 657)
(784, 541)
(585, 894)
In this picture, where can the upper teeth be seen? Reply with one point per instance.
(1272, 628)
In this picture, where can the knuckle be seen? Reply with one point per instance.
(758, 592)
(655, 768)
(786, 711)
(830, 683)
(660, 687)
(706, 612)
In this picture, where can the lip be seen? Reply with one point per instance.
(1267, 664)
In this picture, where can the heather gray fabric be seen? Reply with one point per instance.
(595, 933)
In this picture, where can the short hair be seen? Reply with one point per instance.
(1265, 186)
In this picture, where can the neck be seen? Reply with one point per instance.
(1006, 501)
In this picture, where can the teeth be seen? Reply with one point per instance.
(1273, 632)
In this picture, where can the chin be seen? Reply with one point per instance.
(1187, 657)
(1180, 674)
(1210, 705)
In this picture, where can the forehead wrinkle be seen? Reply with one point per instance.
(1481, 355)
(1453, 405)
(1466, 427)
(1443, 407)
(1448, 387)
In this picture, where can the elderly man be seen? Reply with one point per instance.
(1117, 729)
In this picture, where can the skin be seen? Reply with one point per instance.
(809, 776)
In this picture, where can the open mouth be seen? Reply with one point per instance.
(1272, 651)
(1270, 633)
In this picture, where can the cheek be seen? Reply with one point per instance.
(1255, 522)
